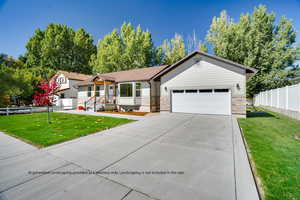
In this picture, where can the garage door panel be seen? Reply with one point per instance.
(202, 103)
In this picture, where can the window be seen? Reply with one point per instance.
(221, 90)
(89, 93)
(61, 80)
(206, 91)
(138, 89)
(178, 91)
(97, 91)
(190, 91)
(126, 90)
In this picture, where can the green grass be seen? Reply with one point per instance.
(275, 151)
(34, 128)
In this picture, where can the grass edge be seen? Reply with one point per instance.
(257, 179)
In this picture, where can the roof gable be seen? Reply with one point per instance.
(74, 76)
(167, 69)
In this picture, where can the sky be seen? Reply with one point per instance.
(163, 18)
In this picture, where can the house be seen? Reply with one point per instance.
(296, 80)
(199, 83)
(67, 94)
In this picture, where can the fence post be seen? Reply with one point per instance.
(287, 98)
(277, 91)
(7, 113)
(298, 97)
(271, 98)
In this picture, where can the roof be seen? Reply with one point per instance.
(75, 76)
(103, 77)
(167, 69)
(296, 79)
(141, 74)
(61, 90)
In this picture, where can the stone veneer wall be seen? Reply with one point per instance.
(165, 103)
(155, 103)
(238, 105)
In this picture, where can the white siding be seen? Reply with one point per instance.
(207, 73)
(145, 94)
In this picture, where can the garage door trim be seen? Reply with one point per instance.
(200, 88)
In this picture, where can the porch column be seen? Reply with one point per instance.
(104, 92)
(115, 94)
(94, 97)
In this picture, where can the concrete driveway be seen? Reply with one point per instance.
(168, 156)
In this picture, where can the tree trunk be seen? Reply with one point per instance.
(49, 116)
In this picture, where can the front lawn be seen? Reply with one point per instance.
(34, 128)
(274, 141)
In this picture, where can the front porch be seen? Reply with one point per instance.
(104, 94)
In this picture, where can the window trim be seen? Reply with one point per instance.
(191, 91)
(89, 91)
(207, 91)
(97, 91)
(138, 90)
(177, 91)
(223, 90)
(120, 89)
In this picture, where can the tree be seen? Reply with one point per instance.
(7, 83)
(45, 95)
(173, 50)
(202, 47)
(128, 48)
(60, 48)
(256, 41)
(193, 44)
(17, 82)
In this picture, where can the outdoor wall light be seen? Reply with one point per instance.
(196, 60)
(166, 88)
(238, 86)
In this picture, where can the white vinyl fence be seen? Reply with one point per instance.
(286, 98)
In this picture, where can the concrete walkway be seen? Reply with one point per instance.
(81, 112)
(168, 156)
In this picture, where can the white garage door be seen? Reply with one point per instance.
(204, 101)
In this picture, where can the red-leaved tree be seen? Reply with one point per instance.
(44, 95)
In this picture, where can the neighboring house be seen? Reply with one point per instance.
(296, 80)
(199, 83)
(67, 94)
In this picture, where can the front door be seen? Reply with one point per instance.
(110, 93)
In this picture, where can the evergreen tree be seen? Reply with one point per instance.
(256, 41)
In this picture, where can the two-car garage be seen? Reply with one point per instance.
(205, 84)
(202, 101)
